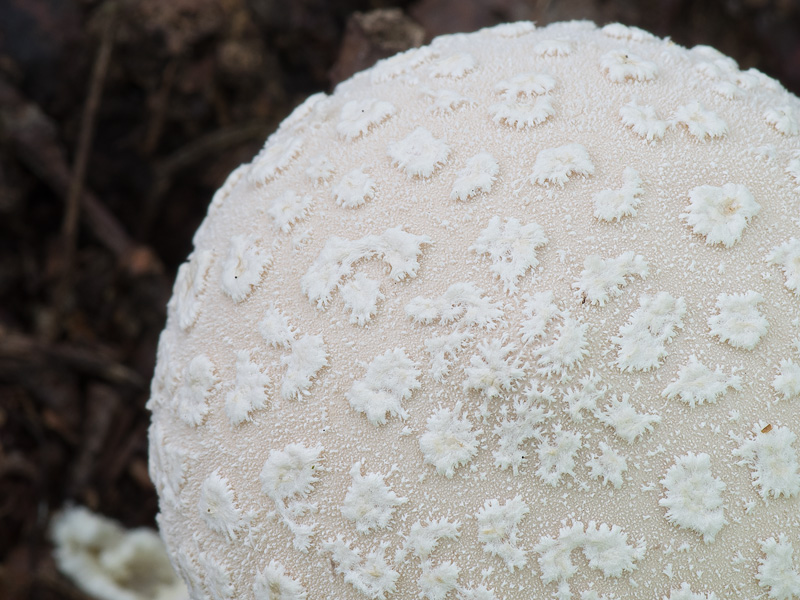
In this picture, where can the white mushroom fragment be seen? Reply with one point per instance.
(514, 315)
(111, 563)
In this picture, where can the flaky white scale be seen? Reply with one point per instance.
(643, 120)
(361, 296)
(622, 65)
(369, 502)
(606, 548)
(512, 248)
(584, 396)
(455, 66)
(700, 122)
(614, 204)
(358, 117)
(371, 575)
(443, 349)
(419, 154)
(565, 350)
(191, 398)
(287, 209)
(463, 323)
(693, 496)
(217, 505)
(609, 465)
(522, 114)
(275, 328)
(721, 213)
(337, 258)
(168, 467)
(514, 433)
(189, 284)
(464, 303)
(354, 189)
(513, 30)
(187, 566)
(625, 32)
(603, 278)
(643, 339)
(793, 169)
(423, 539)
(498, 530)
(390, 378)
(274, 584)
(249, 391)
(777, 569)
(627, 422)
(307, 357)
(437, 581)
(274, 159)
(243, 267)
(449, 440)
(739, 321)
(787, 382)
(402, 63)
(557, 456)
(446, 102)
(319, 169)
(477, 176)
(787, 256)
(540, 311)
(557, 165)
(784, 119)
(287, 477)
(773, 461)
(495, 369)
(526, 84)
(697, 384)
(290, 472)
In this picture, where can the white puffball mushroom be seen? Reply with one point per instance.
(112, 563)
(515, 314)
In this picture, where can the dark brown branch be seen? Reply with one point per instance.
(69, 229)
(34, 137)
(19, 353)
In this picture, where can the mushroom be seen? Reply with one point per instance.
(516, 314)
(110, 562)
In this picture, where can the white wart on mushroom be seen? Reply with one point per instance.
(515, 311)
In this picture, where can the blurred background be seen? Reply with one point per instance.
(118, 120)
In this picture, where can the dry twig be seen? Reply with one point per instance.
(69, 230)
(22, 353)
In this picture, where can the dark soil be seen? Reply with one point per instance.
(118, 120)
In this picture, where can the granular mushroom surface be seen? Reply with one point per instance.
(516, 314)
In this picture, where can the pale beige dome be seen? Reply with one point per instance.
(514, 315)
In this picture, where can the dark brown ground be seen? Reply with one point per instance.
(118, 120)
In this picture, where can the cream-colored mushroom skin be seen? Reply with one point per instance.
(513, 315)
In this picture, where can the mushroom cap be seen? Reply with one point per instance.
(112, 563)
(515, 313)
